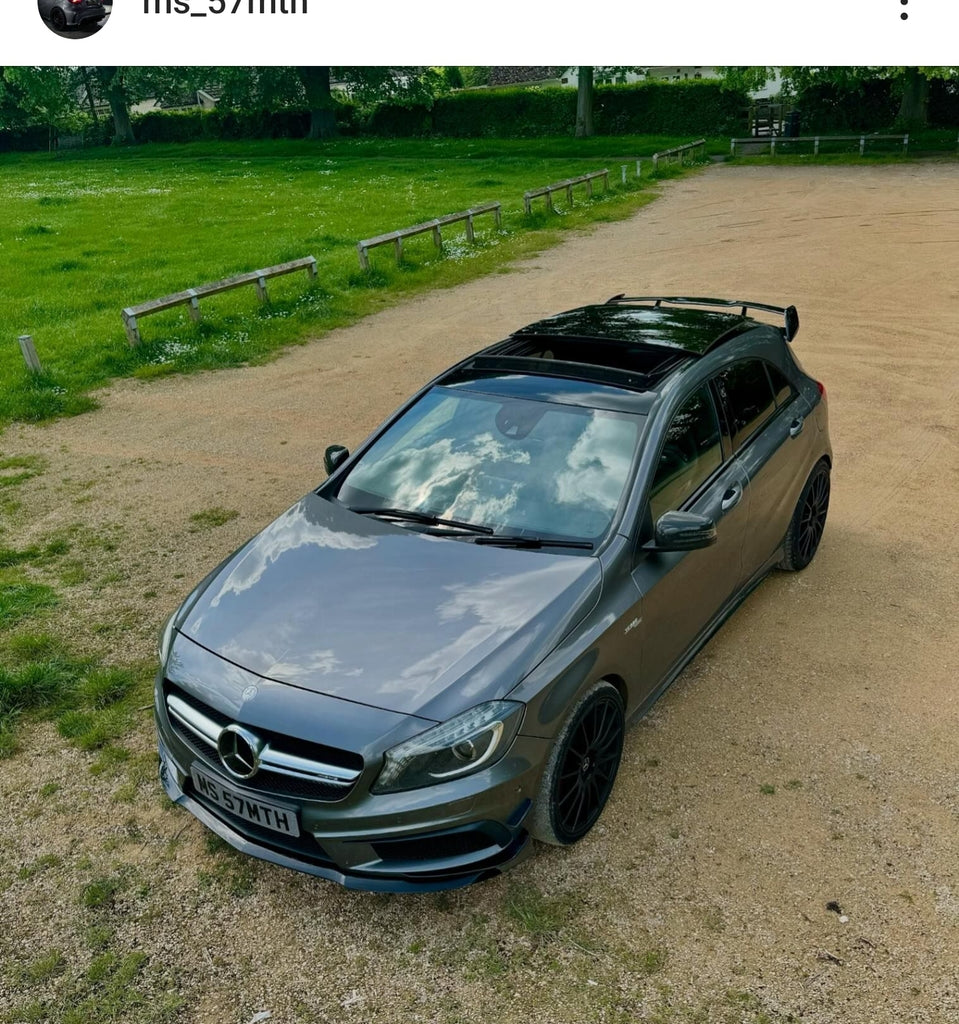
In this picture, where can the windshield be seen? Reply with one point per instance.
(516, 466)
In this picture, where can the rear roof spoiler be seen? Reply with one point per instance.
(789, 313)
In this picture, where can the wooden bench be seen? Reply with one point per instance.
(396, 237)
(191, 297)
(679, 151)
(565, 186)
(751, 144)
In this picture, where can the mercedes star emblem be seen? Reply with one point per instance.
(239, 750)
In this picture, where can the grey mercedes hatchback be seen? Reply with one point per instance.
(433, 656)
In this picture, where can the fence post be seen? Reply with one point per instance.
(132, 329)
(261, 293)
(905, 144)
(815, 148)
(623, 169)
(772, 145)
(398, 246)
(30, 354)
(194, 305)
(639, 164)
(655, 162)
(469, 229)
(862, 145)
(498, 216)
(364, 256)
(437, 237)
(732, 147)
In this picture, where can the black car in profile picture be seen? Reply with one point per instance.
(86, 16)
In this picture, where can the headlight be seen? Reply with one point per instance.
(465, 744)
(166, 638)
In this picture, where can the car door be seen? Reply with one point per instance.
(771, 441)
(682, 591)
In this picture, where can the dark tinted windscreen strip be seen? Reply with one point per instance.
(559, 368)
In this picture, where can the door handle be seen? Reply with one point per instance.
(795, 428)
(731, 497)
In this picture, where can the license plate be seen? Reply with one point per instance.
(279, 819)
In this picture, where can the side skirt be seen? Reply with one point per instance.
(703, 638)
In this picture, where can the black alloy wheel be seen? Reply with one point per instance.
(808, 521)
(58, 19)
(582, 768)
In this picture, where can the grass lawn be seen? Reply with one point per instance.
(83, 235)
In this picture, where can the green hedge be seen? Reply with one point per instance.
(670, 108)
(650, 108)
(944, 103)
(196, 125)
(872, 108)
(505, 113)
(831, 110)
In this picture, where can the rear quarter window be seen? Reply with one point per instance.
(783, 390)
(748, 397)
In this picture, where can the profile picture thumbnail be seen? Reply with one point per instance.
(75, 19)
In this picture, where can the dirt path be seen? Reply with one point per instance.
(699, 897)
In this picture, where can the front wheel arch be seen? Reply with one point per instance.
(581, 767)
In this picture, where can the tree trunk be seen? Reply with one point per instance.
(316, 84)
(584, 103)
(88, 88)
(111, 82)
(915, 97)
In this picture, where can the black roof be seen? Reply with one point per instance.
(629, 343)
(691, 331)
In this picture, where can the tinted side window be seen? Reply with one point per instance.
(747, 394)
(781, 387)
(691, 452)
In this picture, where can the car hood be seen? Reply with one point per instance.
(358, 608)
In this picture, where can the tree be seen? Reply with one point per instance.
(319, 97)
(910, 83)
(584, 103)
(114, 90)
(64, 96)
(585, 93)
(278, 88)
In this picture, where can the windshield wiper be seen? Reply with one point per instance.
(421, 517)
(533, 542)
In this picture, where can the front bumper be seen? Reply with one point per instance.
(440, 837)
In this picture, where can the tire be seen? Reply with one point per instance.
(808, 521)
(581, 769)
(58, 19)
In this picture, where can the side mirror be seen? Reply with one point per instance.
(334, 457)
(683, 531)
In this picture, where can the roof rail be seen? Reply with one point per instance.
(789, 314)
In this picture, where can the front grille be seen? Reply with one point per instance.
(267, 781)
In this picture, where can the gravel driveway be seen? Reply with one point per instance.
(807, 759)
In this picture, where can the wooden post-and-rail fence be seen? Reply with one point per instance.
(191, 296)
(434, 226)
(565, 186)
(750, 145)
(679, 151)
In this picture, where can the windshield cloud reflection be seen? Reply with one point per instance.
(530, 466)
